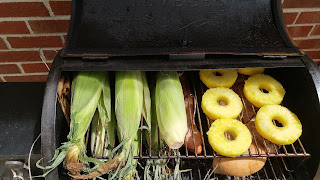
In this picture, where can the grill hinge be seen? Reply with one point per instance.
(274, 57)
(188, 56)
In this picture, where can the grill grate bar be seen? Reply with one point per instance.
(271, 166)
(216, 156)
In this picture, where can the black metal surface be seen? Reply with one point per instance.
(313, 112)
(20, 115)
(149, 27)
(51, 127)
(146, 63)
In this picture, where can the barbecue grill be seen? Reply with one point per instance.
(189, 36)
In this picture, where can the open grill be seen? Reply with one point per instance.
(203, 123)
(276, 165)
(165, 36)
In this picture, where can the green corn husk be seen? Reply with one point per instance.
(103, 125)
(128, 104)
(171, 112)
(155, 169)
(131, 100)
(85, 94)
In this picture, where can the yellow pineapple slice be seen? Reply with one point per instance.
(250, 71)
(261, 89)
(220, 103)
(218, 77)
(231, 148)
(291, 128)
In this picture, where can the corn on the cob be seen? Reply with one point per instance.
(103, 124)
(171, 112)
(130, 97)
(86, 91)
(155, 168)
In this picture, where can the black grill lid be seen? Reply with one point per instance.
(160, 27)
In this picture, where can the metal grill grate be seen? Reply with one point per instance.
(201, 164)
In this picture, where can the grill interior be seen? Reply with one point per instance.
(281, 162)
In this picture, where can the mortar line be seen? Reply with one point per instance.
(2, 78)
(287, 10)
(43, 59)
(27, 74)
(28, 26)
(6, 42)
(309, 34)
(295, 20)
(20, 67)
(306, 24)
(47, 5)
(31, 49)
(24, 62)
(33, 35)
(311, 49)
(307, 38)
(58, 17)
(62, 39)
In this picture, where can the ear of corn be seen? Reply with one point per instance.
(171, 113)
(146, 111)
(128, 102)
(86, 92)
(154, 125)
(86, 89)
(131, 102)
(103, 124)
(155, 168)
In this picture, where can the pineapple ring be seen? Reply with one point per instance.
(212, 98)
(218, 78)
(232, 148)
(288, 134)
(250, 71)
(253, 90)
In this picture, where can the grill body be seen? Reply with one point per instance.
(300, 78)
(178, 36)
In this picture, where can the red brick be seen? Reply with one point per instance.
(316, 30)
(2, 44)
(314, 54)
(23, 9)
(1, 80)
(19, 56)
(9, 69)
(289, 17)
(301, 4)
(13, 27)
(299, 31)
(308, 44)
(49, 54)
(61, 7)
(31, 78)
(35, 42)
(309, 17)
(49, 26)
(37, 67)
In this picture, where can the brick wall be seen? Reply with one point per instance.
(32, 31)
